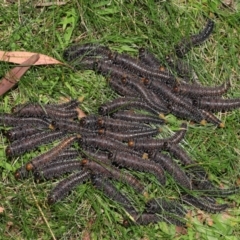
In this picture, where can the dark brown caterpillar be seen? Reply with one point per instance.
(183, 113)
(88, 49)
(21, 146)
(218, 192)
(70, 127)
(51, 154)
(12, 121)
(144, 93)
(177, 152)
(148, 58)
(186, 44)
(125, 136)
(70, 105)
(95, 155)
(136, 163)
(173, 169)
(157, 144)
(110, 191)
(125, 103)
(179, 135)
(85, 63)
(161, 205)
(147, 218)
(18, 133)
(121, 125)
(142, 144)
(209, 117)
(137, 117)
(217, 104)
(109, 70)
(56, 169)
(18, 107)
(64, 156)
(199, 181)
(105, 143)
(63, 188)
(131, 64)
(172, 99)
(196, 91)
(37, 110)
(204, 204)
(108, 171)
(121, 89)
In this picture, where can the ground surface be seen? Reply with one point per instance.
(124, 26)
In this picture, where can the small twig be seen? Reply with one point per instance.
(40, 210)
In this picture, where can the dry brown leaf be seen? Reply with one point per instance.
(181, 230)
(209, 221)
(86, 234)
(2, 209)
(225, 216)
(18, 57)
(201, 216)
(81, 114)
(145, 156)
(14, 75)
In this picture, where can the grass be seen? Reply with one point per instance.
(124, 26)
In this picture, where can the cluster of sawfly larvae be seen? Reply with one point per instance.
(125, 134)
(98, 148)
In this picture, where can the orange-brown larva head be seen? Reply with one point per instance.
(102, 110)
(111, 56)
(124, 80)
(146, 81)
(100, 121)
(126, 223)
(51, 200)
(162, 116)
(141, 50)
(29, 167)
(52, 126)
(84, 162)
(203, 122)
(101, 131)
(8, 152)
(17, 175)
(131, 143)
(83, 121)
(162, 68)
(221, 125)
(78, 136)
(110, 155)
(176, 88)
(14, 109)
